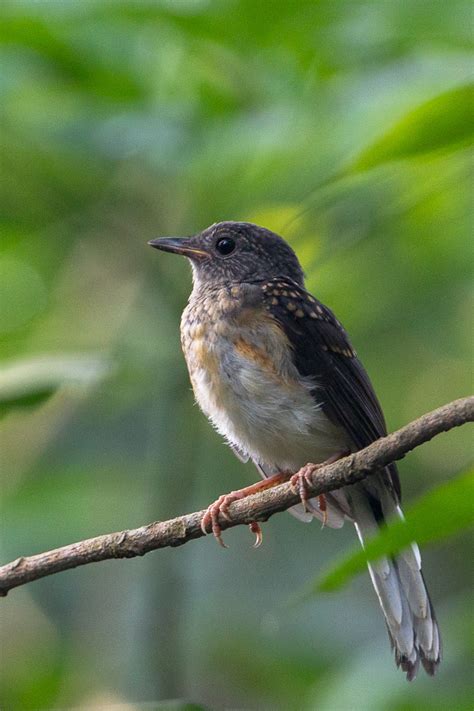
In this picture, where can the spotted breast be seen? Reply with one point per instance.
(245, 381)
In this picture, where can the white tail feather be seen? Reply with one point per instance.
(398, 581)
(400, 587)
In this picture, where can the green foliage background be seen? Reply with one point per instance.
(343, 124)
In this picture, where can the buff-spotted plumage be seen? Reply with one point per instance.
(276, 374)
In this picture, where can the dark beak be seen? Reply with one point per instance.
(178, 245)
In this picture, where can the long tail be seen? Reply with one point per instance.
(399, 584)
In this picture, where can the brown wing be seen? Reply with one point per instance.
(322, 351)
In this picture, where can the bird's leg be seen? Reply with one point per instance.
(220, 507)
(301, 483)
(323, 507)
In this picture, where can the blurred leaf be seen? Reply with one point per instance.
(439, 514)
(441, 122)
(22, 292)
(178, 705)
(85, 70)
(32, 381)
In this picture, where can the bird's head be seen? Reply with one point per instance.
(230, 252)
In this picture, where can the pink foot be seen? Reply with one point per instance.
(301, 483)
(220, 507)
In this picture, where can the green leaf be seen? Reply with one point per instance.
(441, 122)
(178, 705)
(442, 512)
(32, 381)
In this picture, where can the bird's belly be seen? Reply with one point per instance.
(259, 404)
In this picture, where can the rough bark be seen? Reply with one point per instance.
(259, 507)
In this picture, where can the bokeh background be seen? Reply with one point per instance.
(342, 124)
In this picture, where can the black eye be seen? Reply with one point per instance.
(225, 245)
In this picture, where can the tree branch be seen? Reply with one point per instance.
(259, 507)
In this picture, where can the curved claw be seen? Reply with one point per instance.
(219, 539)
(211, 519)
(256, 529)
(301, 482)
(221, 505)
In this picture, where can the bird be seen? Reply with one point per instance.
(274, 371)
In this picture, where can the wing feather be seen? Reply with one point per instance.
(323, 352)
